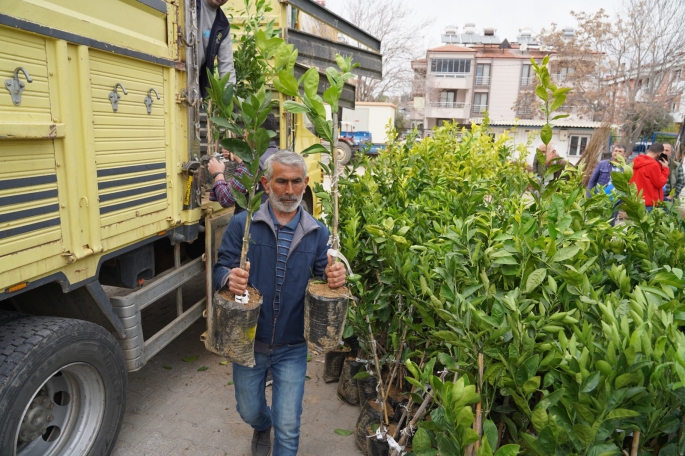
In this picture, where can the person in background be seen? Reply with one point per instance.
(551, 158)
(215, 42)
(676, 178)
(650, 175)
(288, 246)
(602, 172)
(221, 190)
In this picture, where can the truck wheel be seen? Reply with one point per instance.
(344, 152)
(62, 388)
(6, 316)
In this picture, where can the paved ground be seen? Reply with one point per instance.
(183, 411)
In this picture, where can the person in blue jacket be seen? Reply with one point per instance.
(602, 172)
(287, 247)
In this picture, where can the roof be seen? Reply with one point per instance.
(538, 123)
(451, 48)
(375, 103)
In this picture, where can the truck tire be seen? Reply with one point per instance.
(344, 152)
(6, 316)
(62, 388)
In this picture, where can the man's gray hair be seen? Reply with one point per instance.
(287, 158)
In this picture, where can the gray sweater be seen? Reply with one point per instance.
(225, 57)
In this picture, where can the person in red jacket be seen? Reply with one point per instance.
(650, 175)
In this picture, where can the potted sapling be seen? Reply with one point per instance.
(231, 319)
(325, 308)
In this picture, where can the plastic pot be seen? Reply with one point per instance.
(325, 311)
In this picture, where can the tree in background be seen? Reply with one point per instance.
(392, 22)
(623, 70)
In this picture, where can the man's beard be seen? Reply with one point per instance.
(286, 203)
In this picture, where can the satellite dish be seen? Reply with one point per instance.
(523, 47)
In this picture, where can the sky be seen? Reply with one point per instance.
(507, 16)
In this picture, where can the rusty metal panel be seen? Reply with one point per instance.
(347, 96)
(315, 51)
(345, 27)
(215, 225)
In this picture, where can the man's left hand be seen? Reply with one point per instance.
(335, 273)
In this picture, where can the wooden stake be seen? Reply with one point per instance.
(636, 443)
(381, 391)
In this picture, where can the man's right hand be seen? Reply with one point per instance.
(664, 162)
(237, 280)
(215, 166)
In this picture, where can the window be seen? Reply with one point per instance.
(447, 97)
(450, 66)
(677, 75)
(482, 74)
(527, 75)
(577, 145)
(480, 102)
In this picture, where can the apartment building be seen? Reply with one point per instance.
(473, 73)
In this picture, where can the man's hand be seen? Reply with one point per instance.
(231, 156)
(215, 166)
(335, 273)
(664, 162)
(237, 280)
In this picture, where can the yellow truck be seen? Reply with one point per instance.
(104, 212)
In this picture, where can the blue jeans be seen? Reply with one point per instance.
(289, 366)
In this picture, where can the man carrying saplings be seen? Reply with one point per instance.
(287, 247)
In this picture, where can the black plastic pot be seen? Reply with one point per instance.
(347, 387)
(231, 328)
(367, 389)
(367, 417)
(324, 320)
(375, 447)
(353, 343)
(333, 364)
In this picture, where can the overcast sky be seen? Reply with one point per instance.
(507, 16)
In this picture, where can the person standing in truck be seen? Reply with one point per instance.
(214, 42)
(287, 246)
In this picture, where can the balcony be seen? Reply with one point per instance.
(526, 81)
(524, 113)
(479, 109)
(450, 80)
(482, 80)
(448, 110)
(559, 77)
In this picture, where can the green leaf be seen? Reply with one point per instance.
(584, 433)
(311, 82)
(295, 107)
(541, 93)
(565, 253)
(447, 361)
(362, 374)
(202, 369)
(315, 149)
(590, 383)
(309, 357)
(531, 385)
(508, 450)
(447, 336)
(323, 128)
(223, 363)
(286, 84)
(190, 359)
(546, 441)
(334, 78)
(421, 441)
(166, 367)
(261, 141)
(331, 96)
(539, 418)
(490, 431)
(239, 197)
(535, 279)
(546, 134)
(343, 432)
(220, 121)
(238, 147)
(307, 377)
(618, 414)
(229, 383)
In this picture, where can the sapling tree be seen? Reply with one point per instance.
(310, 103)
(242, 114)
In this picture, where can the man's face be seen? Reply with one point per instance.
(668, 150)
(618, 151)
(286, 187)
(216, 3)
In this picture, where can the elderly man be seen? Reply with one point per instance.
(551, 158)
(287, 248)
(676, 178)
(650, 174)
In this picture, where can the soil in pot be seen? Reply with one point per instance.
(325, 311)
(367, 389)
(231, 326)
(347, 387)
(333, 364)
(371, 414)
(377, 447)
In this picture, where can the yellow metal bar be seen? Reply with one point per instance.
(88, 149)
(172, 147)
(71, 221)
(23, 130)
